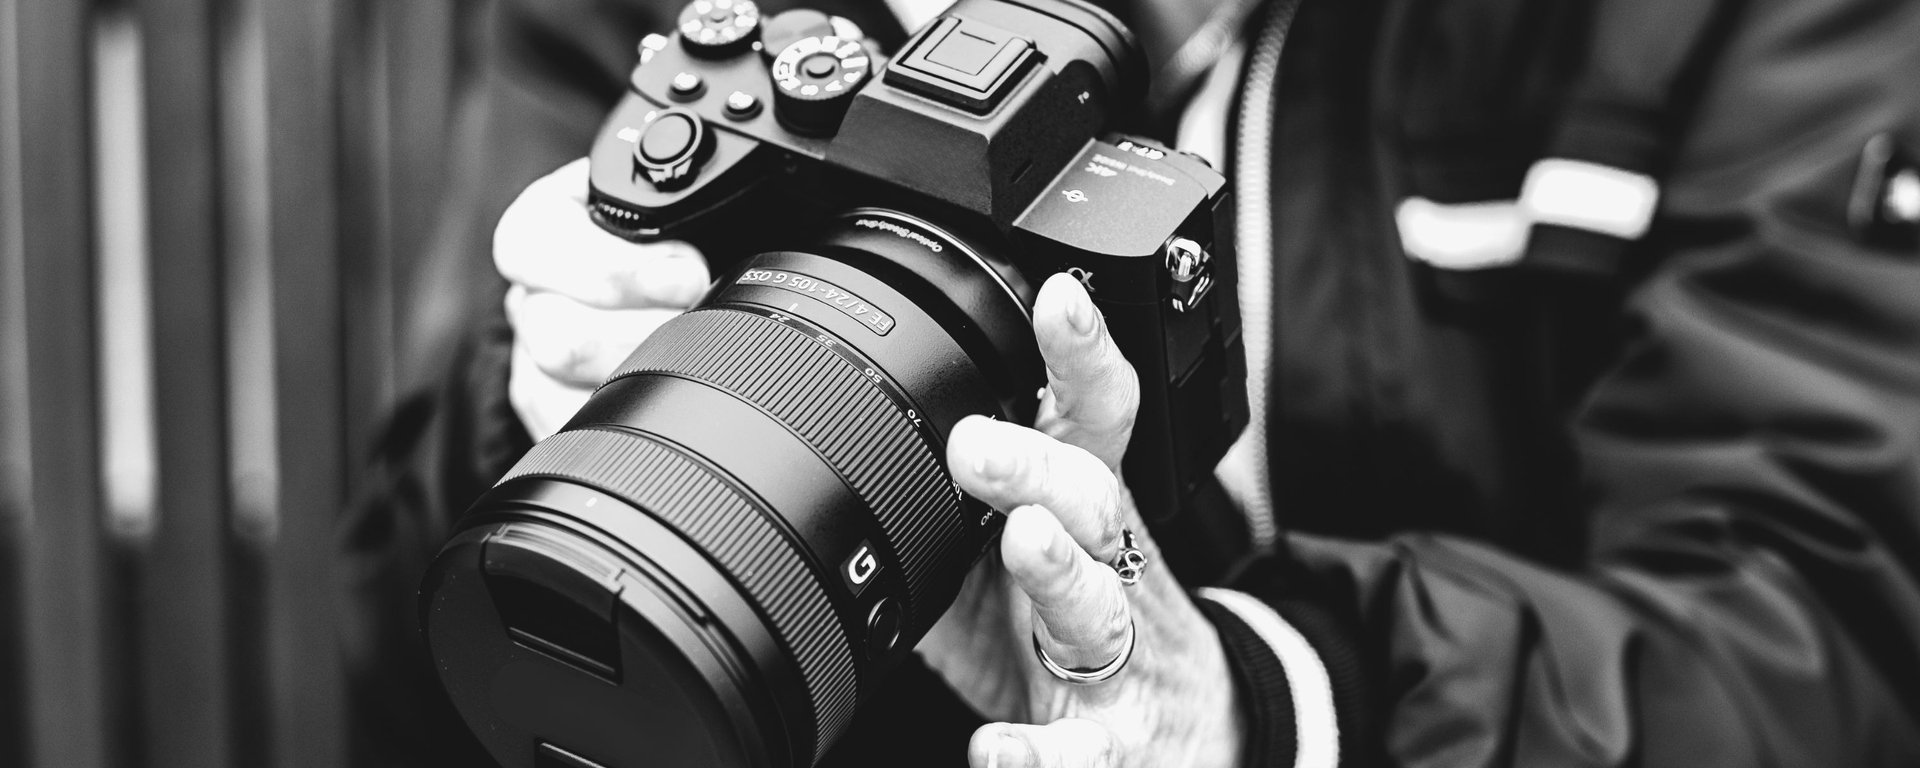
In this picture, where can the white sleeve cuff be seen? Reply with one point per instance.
(1316, 727)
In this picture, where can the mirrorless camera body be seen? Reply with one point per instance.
(985, 129)
(722, 553)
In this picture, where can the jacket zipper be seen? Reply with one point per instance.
(1253, 214)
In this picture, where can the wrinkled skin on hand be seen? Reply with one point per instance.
(581, 299)
(1173, 703)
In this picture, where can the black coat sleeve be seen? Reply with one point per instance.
(1751, 591)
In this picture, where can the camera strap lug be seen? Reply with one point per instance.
(1189, 272)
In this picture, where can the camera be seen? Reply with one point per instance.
(721, 555)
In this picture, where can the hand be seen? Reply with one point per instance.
(1173, 703)
(581, 298)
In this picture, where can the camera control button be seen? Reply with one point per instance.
(668, 151)
(686, 86)
(883, 628)
(964, 63)
(1189, 272)
(819, 67)
(667, 138)
(651, 46)
(814, 80)
(742, 105)
(719, 28)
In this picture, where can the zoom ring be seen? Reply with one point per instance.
(821, 397)
(719, 520)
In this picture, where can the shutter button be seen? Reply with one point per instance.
(670, 148)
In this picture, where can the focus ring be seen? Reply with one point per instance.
(721, 521)
(827, 402)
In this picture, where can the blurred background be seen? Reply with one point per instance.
(205, 209)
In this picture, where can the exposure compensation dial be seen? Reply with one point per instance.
(719, 28)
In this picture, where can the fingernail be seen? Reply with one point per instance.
(1058, 549)
(997, 465)
(1080, 313)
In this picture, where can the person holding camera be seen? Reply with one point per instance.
(1582, 339)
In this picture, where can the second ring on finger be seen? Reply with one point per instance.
(1082, 615)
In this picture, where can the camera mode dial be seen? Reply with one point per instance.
(814, 80)
(719, 28)
(669, 149)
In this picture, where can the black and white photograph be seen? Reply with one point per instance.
(959, 383)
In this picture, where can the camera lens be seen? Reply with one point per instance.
(749, 523)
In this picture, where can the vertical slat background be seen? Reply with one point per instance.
(292, 157)
(54, 502)
(188, 703)
(307, 310)
(15, 452)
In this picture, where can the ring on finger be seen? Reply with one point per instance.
(1100, 674)
(1131, 563)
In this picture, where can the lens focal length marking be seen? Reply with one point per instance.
(867, 369)
(871, 317)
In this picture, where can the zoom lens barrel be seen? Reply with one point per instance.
(726, 548)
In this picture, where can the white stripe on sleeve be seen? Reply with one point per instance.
(1462, 236)
(1592, 197)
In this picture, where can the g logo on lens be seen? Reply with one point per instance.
(860, 569)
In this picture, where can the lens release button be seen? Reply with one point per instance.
(883, 628)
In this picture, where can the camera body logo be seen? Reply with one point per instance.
(860, 569)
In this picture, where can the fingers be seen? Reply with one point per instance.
(581, 299)
(543, 403)
(1092, 393)
(548, 242)
(1010, 466)
(1081, 617)
(1069, 743)
(574, 343)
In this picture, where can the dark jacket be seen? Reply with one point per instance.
(1648, 501)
